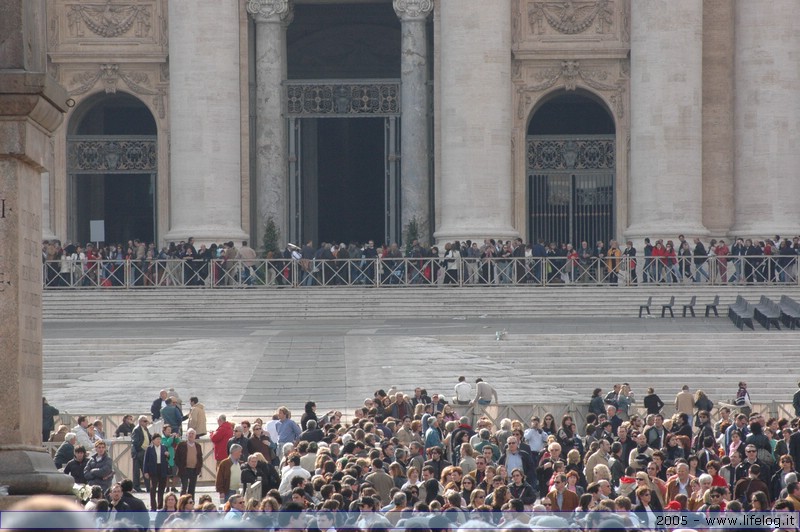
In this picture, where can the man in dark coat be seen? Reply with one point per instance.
(158, 404)
(141, 516)
(66, 451)
(156, 470)
(48, 424)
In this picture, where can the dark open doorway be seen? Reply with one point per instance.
(123, 201)
(112, 168)
(351, 181)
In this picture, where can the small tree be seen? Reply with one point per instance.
(411, 234)
(271, 240)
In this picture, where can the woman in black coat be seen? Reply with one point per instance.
(520, 489)
(653, 402)
(310, 413)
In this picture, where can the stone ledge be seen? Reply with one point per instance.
(17, 82)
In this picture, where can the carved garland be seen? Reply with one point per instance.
(110, 73)
(570, 73)
(108, 20)
(570, 19)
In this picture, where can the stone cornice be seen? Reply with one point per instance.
(274, 11)
(34, 95)
(412, 9)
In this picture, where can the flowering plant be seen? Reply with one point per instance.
(83, 492)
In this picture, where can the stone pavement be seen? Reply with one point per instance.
(250, 367)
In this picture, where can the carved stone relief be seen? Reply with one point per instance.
(570, 17)
(71, 24)
(560, 21)
(271, 10)
(412, 9)
(110, 74)
(109, 20)
(569, 75)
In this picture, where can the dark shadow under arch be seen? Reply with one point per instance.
(112, 114)
(571, 113)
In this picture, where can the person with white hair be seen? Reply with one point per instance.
(66, 451)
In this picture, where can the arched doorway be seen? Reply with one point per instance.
(112, 170)
(571, 167)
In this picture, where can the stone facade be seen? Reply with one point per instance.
(704, 97)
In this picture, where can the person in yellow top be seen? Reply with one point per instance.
(613, 261)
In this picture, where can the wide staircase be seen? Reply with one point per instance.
(544, 345)
(528, 365)
(108, 304)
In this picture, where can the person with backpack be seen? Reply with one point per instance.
(762, 444)
(743, 399)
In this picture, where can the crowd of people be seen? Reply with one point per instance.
(492, 262)
(407, 460)
(141, 264)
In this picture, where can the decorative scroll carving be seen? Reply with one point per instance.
(571, 17)
(412, 9)
(110, 74)
(52, 33)
(270, 10)
(626, 21)
(164, 71)
(108, 155)
(570, 74)
(516, 29)
(108, 20)
(343, 98)
(571, 154)
(164, 33)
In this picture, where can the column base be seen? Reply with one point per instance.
(477, 234)
(665, 231)
(30, 471)
(763, 231)
(206, 235)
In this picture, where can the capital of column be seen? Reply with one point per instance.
(412, 9)
(274, 11)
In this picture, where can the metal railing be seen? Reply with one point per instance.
(119, 449)
(431, 271)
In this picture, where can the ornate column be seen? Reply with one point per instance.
(272, 172)
(205, 120)
(414, 146)
(31, 108)
(767, 119)
(476, 110)
(666, 185)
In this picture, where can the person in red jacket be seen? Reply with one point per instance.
(659, 258)
(220, 438)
